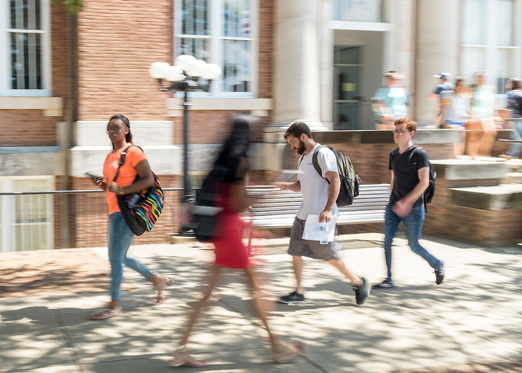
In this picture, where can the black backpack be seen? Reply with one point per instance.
(430, 190)
(205, 214)
(349, 179)
(518, 102)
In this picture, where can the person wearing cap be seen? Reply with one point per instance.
(443, 88)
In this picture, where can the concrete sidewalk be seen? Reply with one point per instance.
(474, 317)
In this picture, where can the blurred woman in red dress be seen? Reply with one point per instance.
(232, 165)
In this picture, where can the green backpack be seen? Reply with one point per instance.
(349, 180)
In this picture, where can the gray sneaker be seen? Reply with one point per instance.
(362, 293)
(440, 274)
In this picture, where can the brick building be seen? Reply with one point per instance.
(318, 60)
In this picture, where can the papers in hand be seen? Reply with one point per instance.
(312, 229)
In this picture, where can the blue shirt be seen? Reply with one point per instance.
(395, 99)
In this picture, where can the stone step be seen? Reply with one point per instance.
(512, 178)
(500, 197)
(468, 169)
(514, 165)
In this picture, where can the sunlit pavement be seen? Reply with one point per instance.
(475, 316)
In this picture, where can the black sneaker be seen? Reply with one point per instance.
(362, 293)
(293, 297)
(439, 274)
(386, 284)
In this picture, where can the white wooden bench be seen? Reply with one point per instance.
(277, 208)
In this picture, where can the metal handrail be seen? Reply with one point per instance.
(76, 191)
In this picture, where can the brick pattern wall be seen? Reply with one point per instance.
(205, 127)
(115, 55)
(266, 48)
(117, 43)
(212, 127)
(476, 226)
(27, 128)
(31, 127)
(59, 55)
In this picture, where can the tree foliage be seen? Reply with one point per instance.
(73, 6)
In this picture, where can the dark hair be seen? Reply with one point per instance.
(297, 129)
(125, 121)
(234, 148)
(516, 84)
(459, 80)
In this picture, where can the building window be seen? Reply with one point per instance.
(489, 40)
(357, 10)
(24, 68)
(26, 221)
(220, 32)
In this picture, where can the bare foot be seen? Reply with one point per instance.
(160, 284)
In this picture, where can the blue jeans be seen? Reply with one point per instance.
(413, 229)
(514, 149)
(120, 238)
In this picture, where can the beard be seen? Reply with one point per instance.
(302, 147)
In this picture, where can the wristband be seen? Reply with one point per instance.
(121, 191)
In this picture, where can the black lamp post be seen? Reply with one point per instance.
(184, 77)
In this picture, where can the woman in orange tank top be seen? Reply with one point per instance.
(120, 235)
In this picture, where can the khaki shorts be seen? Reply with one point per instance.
(308, 248)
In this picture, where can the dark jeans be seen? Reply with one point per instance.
(413, 229)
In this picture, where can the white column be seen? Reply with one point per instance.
(326, 43)
(437, 50)
(399, 51)
(297, 87)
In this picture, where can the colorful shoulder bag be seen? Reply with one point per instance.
(141, 210)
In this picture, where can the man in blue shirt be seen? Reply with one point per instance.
(443, 87)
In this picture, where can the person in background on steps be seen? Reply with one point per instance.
(120, 235)
(230, 251)
(455, 111)
(390, 101)
(319, 198)
(443, 87)
(409, 179)
(483, 118)
(514, 103)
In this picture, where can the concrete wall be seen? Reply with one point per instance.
(437, 34)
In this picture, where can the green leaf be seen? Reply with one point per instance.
(72, 6)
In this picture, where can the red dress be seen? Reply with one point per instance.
(230, 250)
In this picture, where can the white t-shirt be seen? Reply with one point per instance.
(313, 187)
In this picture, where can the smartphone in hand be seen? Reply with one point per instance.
(94, 177)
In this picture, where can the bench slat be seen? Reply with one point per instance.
(277, 208)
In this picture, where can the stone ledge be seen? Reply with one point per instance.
(502, 197)
(31, 161)
(422, 136)
(459, 169)
(144, 133)
(164, 160)
(51, 106)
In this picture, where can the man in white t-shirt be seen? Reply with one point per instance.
(319, 195)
